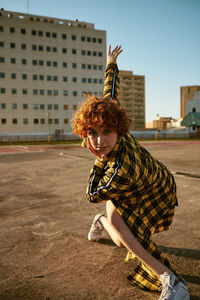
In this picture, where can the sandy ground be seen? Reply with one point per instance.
(45, 218)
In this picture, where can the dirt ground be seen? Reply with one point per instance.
(45, 218)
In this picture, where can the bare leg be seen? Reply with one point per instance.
(123, 237)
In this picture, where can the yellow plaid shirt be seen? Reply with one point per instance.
(141, 188)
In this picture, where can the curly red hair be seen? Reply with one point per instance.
(108, 114)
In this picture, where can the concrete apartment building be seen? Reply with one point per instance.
(132, 97)
(47, 65)
(187, 93)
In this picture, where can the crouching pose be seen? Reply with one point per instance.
(140, 192)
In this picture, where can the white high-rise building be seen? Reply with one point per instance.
(46, 67)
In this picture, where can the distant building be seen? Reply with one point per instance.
(192, 123)
(161, 122)
(47, 65)
(194, 105)
(132, 97)
(187, 94)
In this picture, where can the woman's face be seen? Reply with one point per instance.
(103, 141)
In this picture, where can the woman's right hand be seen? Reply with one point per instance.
(112, 55)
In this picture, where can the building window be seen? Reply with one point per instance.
(94, 40)
(64, 50)
(88, 53)
(24, 91)
(83, 52)
(35, 106)
(12, 30)
(50, 121)
(49, 77)
(55, 63)
(14, 121)
(25, 121)
(35, 92)
(74, 79)
(74, 65)
(49, 106)
(94, 80)
(2, 75)
(64, 78)
(73, 37)
(2, 59)
(1, 28)
(48, 63)
(65, 93)
(100, 41)
(48, 49)
(64, 36)
(73, 51)
(94, 67)
(13, 60)
(83, 39)
(40, 48)
(56, 121)
(74, 107)
(49, 92)
(24, 76)
(33, 32)
(2, 90)
(55, 92)
(89, 67)
(55, 78)
(1, 44)
(48, 34)
(14, 105)
(41, 77)
(25, 106)
(35, 77)
(75, 93)
(13, 75)
(100, 67)
(42, 121)
(94, 53)
(100, 81)
(3, 105)
(65, 107)
(89, 80)
(12, 45)
(66, 121)
(24, 61)
(83, 66)
(34, 47)
(23, 31)
(54, 49)
(54, 35)
(42, 106)
(41, 92)
(40, 33)
(64, 65)
(36, 121)
(3, 121)
(88, 39)
(23, 46)
(83, 80)
(56, 106)
(100, 54)
(14, 91)
(41, 63)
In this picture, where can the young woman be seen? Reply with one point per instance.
(140, 192)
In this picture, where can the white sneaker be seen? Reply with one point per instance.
(96, 229)
(172, 290)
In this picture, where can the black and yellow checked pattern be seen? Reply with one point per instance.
(141, 188)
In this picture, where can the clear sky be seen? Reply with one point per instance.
(160, 39)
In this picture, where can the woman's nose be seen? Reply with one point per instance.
(100, 140)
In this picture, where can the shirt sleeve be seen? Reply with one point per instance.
(111, 84)
(107, 182)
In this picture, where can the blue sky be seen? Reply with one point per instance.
(160, 39)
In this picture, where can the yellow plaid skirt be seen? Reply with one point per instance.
(144, 223)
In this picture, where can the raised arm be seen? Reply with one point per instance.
(111, 84)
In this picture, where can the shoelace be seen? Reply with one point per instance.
(167, 290)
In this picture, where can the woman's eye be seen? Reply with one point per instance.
(107, 131)
(92, 132)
